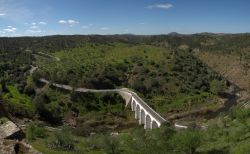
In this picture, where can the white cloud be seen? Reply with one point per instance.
(2, 14)
(70, 22)
(35, 25)
(10, 29)
(42, 23)
(104, 28)
(34, 31)
(161, 6)
(62, 21)
(142, 23)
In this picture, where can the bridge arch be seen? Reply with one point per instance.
(154, 124)
(138, 112)
(148, 122)
(143, 118)
(133, 105)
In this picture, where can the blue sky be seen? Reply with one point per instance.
(50, 17)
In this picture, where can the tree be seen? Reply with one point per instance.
(111, 144)
(186, 142)
(44, 112)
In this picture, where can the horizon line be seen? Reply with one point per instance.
(171, 33)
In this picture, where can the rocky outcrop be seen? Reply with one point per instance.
(16, 147)
(10, 139)
(9, 130)
(7, 146)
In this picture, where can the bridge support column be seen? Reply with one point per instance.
(133, 105)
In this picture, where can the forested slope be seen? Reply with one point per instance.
(164, 70)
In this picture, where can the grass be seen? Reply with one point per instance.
(17, 99)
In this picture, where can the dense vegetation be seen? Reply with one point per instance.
(225, 134)
(13, 69)
(163, 70)
(157, 73)
(13, 65)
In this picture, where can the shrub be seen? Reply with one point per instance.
(186, 142)
(242, 148)
(94, 142)
(111, 145)
(61, 141)
(35, 131)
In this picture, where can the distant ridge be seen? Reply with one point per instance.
(174, 34)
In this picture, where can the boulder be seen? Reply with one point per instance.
(9, 130)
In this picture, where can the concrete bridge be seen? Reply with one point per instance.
(143, 113)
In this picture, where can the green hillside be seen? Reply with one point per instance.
(173, 74)
(167, 79)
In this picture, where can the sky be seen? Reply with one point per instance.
(143, 17)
